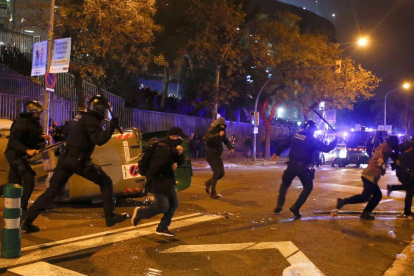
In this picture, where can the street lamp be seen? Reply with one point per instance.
(333, 15)
(362, 42)
(405, 86)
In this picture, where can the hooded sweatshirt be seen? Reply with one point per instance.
(374, 170)
(214, 140)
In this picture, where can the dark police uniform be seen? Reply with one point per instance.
(302, 146)
(405, 174)
(25, 134)
(84, 132)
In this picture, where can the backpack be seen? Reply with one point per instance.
(144, 158)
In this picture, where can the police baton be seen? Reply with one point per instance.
(323, 119)
(45, 149)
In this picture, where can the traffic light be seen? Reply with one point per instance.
(254, 119)
(338, 65)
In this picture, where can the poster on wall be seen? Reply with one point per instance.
(61, 55)
(39, 59)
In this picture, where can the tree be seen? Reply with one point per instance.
(35, 14)
(213, 49)
(111, 39)
(170, 42)
(302, 63)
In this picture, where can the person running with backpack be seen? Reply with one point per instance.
(166, 157)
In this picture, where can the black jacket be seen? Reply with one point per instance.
(302, 145)
(161, 172)
(215, 141)
(25, 133)
(84, 133)
(406, 157)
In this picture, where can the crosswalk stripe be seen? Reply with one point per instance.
(54, 243)
(292, 254)
(43, 269)
(80, 245)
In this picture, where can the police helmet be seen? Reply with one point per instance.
(309, 126)
(100, 106)
(31, 107)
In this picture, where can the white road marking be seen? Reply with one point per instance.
(54, 243)
(43, 269)
(398, 267)
(386, 200)
(61, 249)
(286, 248)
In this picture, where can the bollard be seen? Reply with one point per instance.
(11, 233)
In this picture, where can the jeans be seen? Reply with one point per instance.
(165, 204)
(371, 193)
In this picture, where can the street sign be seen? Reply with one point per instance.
(39, 59)
(255, 130)
(50, 80)
(50, 89)
(61, 55)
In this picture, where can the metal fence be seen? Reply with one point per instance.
(65, 89)
(16, 51)
(15, 89)
(148, 121)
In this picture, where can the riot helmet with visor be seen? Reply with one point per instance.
(100, 106)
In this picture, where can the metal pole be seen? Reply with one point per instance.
(385, 110)
(49, 60)
(256, 124)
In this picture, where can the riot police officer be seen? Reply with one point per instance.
(83, 133)
(405, 174)
(26, 138)
(302, 146)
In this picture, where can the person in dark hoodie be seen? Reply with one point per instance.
(370, 177)
(26, 138)
(168, 155)
(215, 138)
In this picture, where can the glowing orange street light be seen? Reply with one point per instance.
(362, 42)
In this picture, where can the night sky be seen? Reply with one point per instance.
(389, 23)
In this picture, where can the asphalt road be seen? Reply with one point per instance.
(236, 235)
